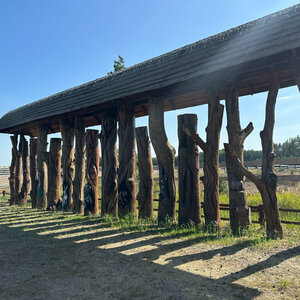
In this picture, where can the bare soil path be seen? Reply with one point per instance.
(58, 256)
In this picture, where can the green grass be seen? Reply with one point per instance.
(255, 236)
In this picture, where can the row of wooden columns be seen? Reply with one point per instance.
(118, 181)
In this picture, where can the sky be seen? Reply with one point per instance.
(52, 45)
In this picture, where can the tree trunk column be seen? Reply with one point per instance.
(273, 223)
(92, 172)
(211, 204)
(80, 149)
(54, 175)
(26, 173)
(33, 172)
(126, 172)
(240, 216)
(12, 170)
(166, 157)
(108, 138)
(42, 166)
(67, 131)
(18, 177)
(188, 172)
(145, 195)
(295, 65)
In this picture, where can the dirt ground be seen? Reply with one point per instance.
(53, 256)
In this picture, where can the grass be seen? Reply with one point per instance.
(254, 237)
(285, 283)
(286, 199)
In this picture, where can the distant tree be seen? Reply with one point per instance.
(119, 65)
(289, 148)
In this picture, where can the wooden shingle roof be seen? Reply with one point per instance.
(230, 50)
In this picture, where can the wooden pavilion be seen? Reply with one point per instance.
(259, 56)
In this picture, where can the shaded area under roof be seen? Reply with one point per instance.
(224, 57)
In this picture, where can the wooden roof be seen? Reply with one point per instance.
(243, 55)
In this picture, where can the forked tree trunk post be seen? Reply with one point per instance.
(67, 131)
(12, 170)
(268, 182)
(92, 172)
(274, 228)
(188, 172)
(145, 195)
(42, 166)
(166, 157)
(54, 175)
(240, 216)
(108, 138)
(26, 173)
(33, 172)
(210, 150)
(80, 150)
(126, 172)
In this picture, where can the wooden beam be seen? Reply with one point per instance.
(67, 131)
(126, 172)
(54, 201)
(92, 172)
(108, 138)
(166, 157)
(188, 172)
(33, 172)
(42, 166)
(145, 195)
(80, 150)
(240, 216)
(295, 65)
(26, 172)
(274, 228)
(12, 170)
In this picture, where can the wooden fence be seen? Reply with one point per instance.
(4, 184)
(4, 174)
(254, 209)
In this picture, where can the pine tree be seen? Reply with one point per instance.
(119, 65)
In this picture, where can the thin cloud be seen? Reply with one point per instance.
(285, 98)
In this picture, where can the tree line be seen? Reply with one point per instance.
(288, 149)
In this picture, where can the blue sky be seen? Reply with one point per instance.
(51, 45)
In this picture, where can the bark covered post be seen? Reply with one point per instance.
(126, 172)
(42, 166)
(54, 175)
(188, 172)
(166, 157)
(211, 204)
(33, 172)
(92, 172)
(80, 150)
(26, 173)
(240, 216)
(67, 131)
(145, 195)
(273, 223)
(108, 138)
(18, 176)
(268, 182)
(295, 65)
(210, 150)
(12, 170)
